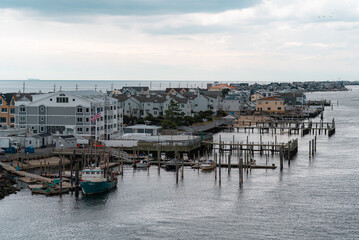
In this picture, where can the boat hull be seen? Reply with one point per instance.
(97, 187)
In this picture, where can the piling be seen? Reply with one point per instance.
(215, 170)
(60, 167)
(310, 148)
(77, 186)
(240, 162)
(219, 168)
(315, 144)
(281, 158)
(229, 164)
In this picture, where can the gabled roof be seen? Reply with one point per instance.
(120, 97)
(7, 97)
(67, 137)
(180, 100)
(177, 89)
(150, 98)
(222, 86)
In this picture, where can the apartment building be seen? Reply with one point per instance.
(69, 112)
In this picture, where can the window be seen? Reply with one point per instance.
(42, 109)
(87, 129)
(50, 99)
(79, 129)
(12, 120)
(22, 119)
(12, 110)
(279, 108)
(41, 129)
(4, 110)
(0, 101)
(22, 109)
(62, 99)
(87, 110)
(87, 119)
(73, 99)
(12, 102)
(79, 109)
(268, 108)
(275, 103)
(3, 120)
(266, 102)
(42, 119)
(79, 120)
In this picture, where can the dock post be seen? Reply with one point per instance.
(77, 187)
(182, 173)
(229, 163)
(310, 150)
(176, 157)
(71, 169)
(215, 170)
(240, 166)
(281, 158)
(289, 155)
(159, 158)
(315, 144)
(313, 147)
(60, 168)
(219, 169)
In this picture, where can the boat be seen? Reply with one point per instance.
(94, 181)
(207, 166)
(143, 164)
(186, 158)
(172, 165)
(48, 189)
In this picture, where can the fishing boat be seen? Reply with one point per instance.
(94, 181)
(143, 164)
(172, 164)
(207, 166)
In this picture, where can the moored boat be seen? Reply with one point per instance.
(172, 164)
(48, 189)
(208, 166)
(94, 181)
(143, 164)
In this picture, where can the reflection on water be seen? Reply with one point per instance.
(311, 199)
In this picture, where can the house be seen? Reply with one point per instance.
(271, 104)
(7, 109)
(134, 90)
(256, 96)
(68, 141)
(68, 111)
(176, 91)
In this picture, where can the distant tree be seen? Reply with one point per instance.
(167, 124)
(174, 113)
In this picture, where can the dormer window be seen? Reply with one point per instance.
(62, 98)
(22, 109)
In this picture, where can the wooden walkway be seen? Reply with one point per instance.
(12, 170)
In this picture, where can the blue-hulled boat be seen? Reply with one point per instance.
(94, 181)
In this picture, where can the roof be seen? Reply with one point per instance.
(67, 137)
(179, 100)
(150, 98)
(177, 89)
(19, 96)
(120, 97)
(271, 98)
(44, 134)
(142, 126)
(7, 97)
(222, 86)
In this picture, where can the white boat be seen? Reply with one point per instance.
(207, 166)
(142, 164)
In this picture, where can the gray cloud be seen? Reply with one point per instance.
(125, 7)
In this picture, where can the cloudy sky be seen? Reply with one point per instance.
(247, 40)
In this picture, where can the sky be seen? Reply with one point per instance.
(232, 40)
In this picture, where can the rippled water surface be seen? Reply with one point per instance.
(310, 199)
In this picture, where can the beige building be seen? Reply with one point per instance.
(271, 104)
(255, 97)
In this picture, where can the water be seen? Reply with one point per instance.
(311, 199)
(103, 85)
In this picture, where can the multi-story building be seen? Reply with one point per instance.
(69, 112)
(271, 104)
(7, 109)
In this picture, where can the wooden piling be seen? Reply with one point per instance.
(240, 162)
(281, 158)
(310, 148)
(77, 185)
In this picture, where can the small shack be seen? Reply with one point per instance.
(141, 128)
(68, 141)
(33, 141)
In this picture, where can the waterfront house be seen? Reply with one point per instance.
(143, 129)
(69, 111)
(271, 104)
(221, 87)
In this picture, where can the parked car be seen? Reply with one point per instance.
(2, 151)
